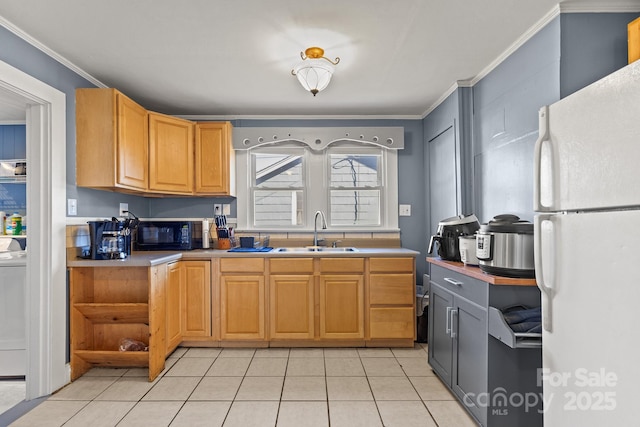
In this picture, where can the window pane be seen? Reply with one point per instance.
(276, 208)
(278, 170)
(348, 170)
(355, 207)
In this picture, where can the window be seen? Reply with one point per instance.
(354, 184)
(355, 188)
(277, 188)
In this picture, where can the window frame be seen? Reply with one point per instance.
(317, 163)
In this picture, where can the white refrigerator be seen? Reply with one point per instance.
(587, 253)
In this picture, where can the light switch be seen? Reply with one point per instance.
(72, 206)
(226, 209)
(405, 210)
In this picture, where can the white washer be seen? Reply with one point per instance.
(13, 270)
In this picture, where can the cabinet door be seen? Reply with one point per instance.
(213, 160)
(469, 371)
(174, 305)
(440, 341)
(291, 306)
(341, 306)
(196, 299)
(132, 146)
(242, 307)
(170, 154)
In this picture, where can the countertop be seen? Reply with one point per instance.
(476, 273)
(148, 259)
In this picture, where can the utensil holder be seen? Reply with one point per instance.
(224, 244)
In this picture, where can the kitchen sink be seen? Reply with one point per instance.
(316, 249)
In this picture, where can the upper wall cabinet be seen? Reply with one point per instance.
(120, 146)
(215, 163)
(170, 154)
(111, 141)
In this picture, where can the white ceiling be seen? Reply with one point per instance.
(234, 58)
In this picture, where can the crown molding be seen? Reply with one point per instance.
(298, 117)
(45, 49)
(603, 6)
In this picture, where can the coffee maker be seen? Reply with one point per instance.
(110, 239)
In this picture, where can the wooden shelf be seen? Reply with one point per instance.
(114, 312)
(114, 358)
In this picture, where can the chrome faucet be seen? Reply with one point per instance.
(315, 226)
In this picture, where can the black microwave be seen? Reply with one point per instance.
(164, 236)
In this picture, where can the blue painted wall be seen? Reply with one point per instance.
(505, 124)
(13, 145)
(593, 45)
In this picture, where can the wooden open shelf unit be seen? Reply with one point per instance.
(108, 304)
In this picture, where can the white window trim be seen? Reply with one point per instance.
(316, 165)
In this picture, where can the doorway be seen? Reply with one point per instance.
(46, 304)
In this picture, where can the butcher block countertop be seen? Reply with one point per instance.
(476, 273)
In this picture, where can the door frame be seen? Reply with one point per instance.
(46, 301)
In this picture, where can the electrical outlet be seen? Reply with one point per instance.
(124, 209)
(217, 209)
(226, 209)
(72, 206)
(404, 210)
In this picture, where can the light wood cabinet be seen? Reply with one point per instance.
(108, 304)
(242, 299)
(214, 160)
(111, 141)
(291, 299)
(391, 298)
(122, 147)
(175, 280)
(171, 155)
(341, 298)
(196, 299)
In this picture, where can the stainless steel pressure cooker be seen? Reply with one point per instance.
(447, 235)
(504, 247)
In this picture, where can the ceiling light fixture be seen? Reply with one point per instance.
(315, 71)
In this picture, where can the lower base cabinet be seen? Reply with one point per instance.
(242, 299)
(195, 295)
(291, 306)
(108, 305)
(342, 306)
(487, 376)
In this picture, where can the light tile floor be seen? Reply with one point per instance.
(264, 387)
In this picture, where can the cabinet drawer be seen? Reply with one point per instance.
(290, 265)
(392, 322)
(382, 265)
(468, 287)
(342, 265)
(391, 289)
(242, 265)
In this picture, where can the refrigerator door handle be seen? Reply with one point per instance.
(540, 188)
(448, 323)
(545, 290)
